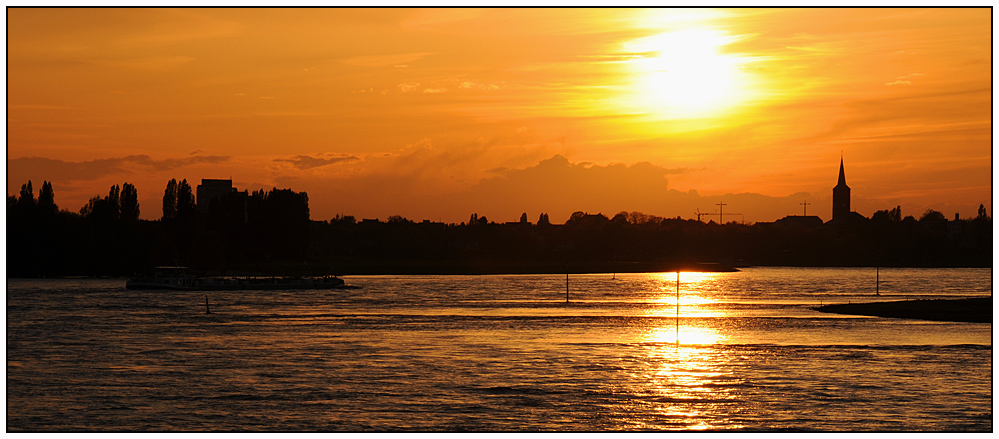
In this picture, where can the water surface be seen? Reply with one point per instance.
(501, 353)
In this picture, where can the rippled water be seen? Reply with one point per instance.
(503, 353)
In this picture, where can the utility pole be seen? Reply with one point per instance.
(721, 220)
(804, 210)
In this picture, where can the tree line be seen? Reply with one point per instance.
(634, 240)
(272, 232)
(107, 238)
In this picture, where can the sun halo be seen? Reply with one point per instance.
(683, 74)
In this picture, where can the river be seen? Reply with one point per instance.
(745, 352)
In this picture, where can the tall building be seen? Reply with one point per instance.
(841, 195)
(209, 190)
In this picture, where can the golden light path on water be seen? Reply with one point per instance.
(692, 302)
(684, 373)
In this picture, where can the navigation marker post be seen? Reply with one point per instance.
(567, 282)
(877, 281)
(678, 307)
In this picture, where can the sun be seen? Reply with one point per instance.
(684, 74)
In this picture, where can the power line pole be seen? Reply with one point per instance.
(804, 211)
(721, 220)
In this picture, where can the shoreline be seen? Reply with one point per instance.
(971, 310)
(467, 268)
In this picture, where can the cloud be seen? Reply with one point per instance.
(303, 162)
(434, 90)
(904, 80)
(559, 186)
(39, 107)
(40, 168)
(147, 63)
(469, 85)
(407, 87)
(394, 60)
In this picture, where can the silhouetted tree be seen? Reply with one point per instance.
(46, 200)
(170, 200)
(896, 214)
(94, 205)
(893, 215)
(340, 219)
(543, 220)
(114, 202)
(932, 215)
(27, 199)
(476, 219)
(982, 214)
(129, 203)
(523, 218)
(185, 200)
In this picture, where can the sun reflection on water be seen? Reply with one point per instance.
(688, 335)
(687, 373)
(693, 299)
(692, 386)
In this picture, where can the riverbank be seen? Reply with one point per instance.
(367, 267)
(975, 310)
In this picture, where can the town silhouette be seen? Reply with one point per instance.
(218, 228)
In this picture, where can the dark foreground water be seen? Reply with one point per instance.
(504, 353)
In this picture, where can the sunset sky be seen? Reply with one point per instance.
(440, 113)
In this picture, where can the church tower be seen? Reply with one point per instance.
(841, 195)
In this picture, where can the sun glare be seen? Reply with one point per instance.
(684, 74)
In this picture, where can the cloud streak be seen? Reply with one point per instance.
(303, 162)
(39, 168)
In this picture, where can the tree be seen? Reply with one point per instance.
(27, 198)
(576, 216)
(113, 202)
(341, 219)
(543, 220)
(932, 215)
(94, 205)
(982, 214)
(104, 209)
(523, 218)
(129, 203)
(46, 200)
(884, 216)
(185, 200)
(170, 200)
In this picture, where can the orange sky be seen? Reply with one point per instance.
(436, 114)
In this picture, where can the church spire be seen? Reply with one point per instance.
(841, 195)
(842, 175)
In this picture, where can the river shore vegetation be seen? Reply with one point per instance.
(271, 232)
